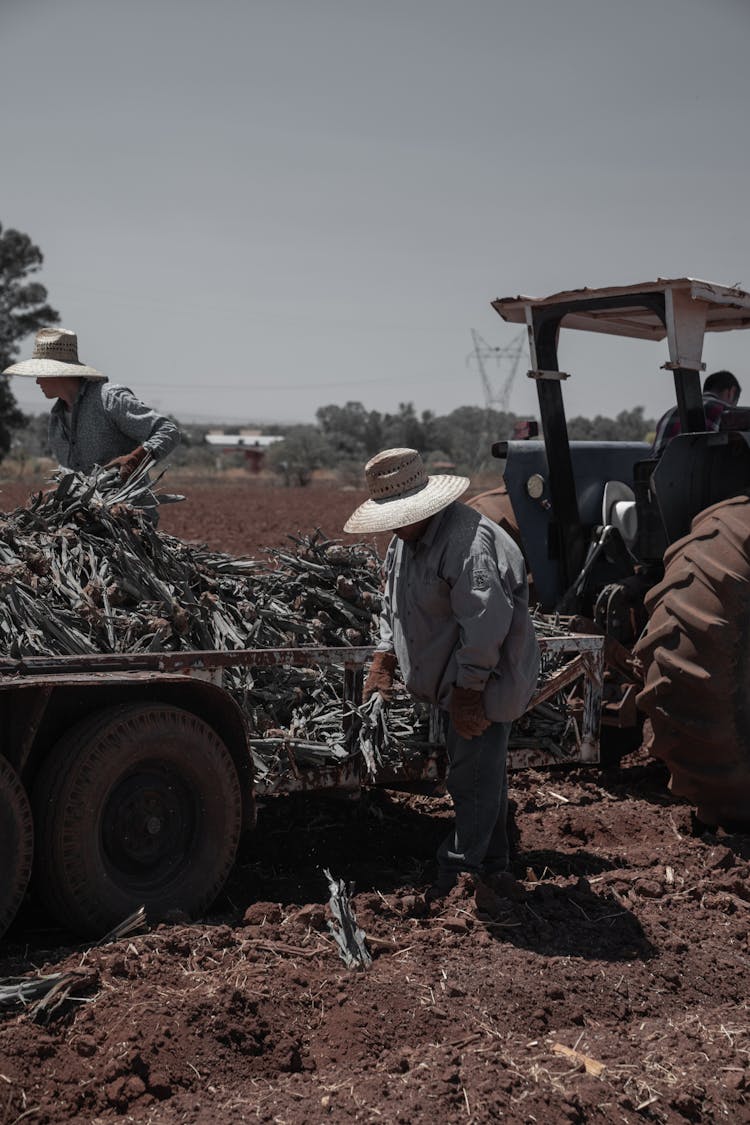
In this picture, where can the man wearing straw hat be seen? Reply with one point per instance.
(93, 422)
(455, 620)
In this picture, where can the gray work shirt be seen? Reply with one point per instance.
(107, 421)
(456, 611)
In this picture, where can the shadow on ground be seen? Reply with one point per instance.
(378, 842)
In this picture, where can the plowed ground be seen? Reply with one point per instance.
(612, 987)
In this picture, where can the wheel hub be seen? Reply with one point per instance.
(148, 822)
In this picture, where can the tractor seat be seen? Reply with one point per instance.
(619, 511)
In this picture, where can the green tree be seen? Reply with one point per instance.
(23, 309)
(303, 449)
(406, 430)
(353, 432)
(467, 434)
(629, 425)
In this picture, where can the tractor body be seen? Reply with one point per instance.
(664, 573)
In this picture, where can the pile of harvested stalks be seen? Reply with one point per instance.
(84, 570)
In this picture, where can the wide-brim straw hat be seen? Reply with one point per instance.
(401, 492)
(55, 354)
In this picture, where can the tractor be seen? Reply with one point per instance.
(654, 553)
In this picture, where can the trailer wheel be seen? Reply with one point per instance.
(696, 658)
(16, 843)
(136, 805)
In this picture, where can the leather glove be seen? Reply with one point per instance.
(380, 676)
(467, 712)
(129, 463)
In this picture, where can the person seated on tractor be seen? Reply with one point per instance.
(720, 390)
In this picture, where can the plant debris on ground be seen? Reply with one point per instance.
(612, 988)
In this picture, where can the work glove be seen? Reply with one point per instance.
(129, 463)
(380, 676)
(467, 712)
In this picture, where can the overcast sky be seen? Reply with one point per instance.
(252, 208)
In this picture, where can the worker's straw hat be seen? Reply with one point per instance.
(401, 492)
(55, 354)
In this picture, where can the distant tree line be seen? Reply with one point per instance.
(344, 437)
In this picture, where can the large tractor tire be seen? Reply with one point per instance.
(696, 659)
(136, 805)
(16, 843)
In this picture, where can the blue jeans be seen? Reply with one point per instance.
(478, 785)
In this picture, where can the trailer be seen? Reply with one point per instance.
(127, 780)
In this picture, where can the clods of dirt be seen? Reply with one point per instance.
(609, 983)
(606, 982)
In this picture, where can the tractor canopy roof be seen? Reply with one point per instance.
(649, 311)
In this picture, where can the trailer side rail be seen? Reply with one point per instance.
(580, 677)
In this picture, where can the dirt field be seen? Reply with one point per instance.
(612, 987)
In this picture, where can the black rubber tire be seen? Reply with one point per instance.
(16, 843)
(137, 805)
(696, 659)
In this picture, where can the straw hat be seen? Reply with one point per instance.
(401, 492)
(55, 354)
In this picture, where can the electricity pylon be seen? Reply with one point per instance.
(508, 359)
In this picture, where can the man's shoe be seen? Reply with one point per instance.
(504, 885)
(440, 889)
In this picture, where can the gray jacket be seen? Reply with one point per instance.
(455, 611)
(107, 421)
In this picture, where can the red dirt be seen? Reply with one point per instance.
(626, 943)
(250, 517)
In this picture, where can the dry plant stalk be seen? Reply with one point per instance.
(83, 570)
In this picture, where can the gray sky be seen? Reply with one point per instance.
(252, 208)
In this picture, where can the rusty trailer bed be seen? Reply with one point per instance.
(580, 675)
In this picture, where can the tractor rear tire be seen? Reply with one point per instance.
(16, 843)
(138, 805)
(696, 659)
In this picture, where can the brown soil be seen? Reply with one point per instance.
(610, 986)
(249, 516)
